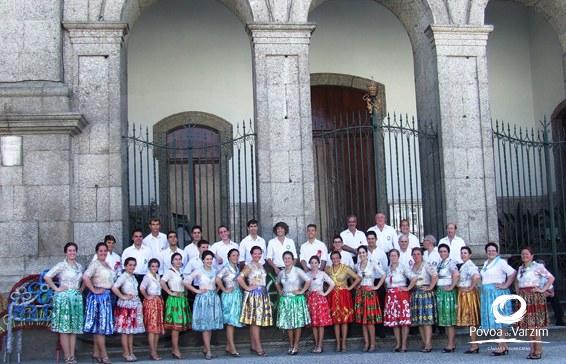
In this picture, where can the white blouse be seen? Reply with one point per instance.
(69, 276)
(467, 272)
(532, 275)
(127, 283)
(174, 280)
(371, 271)
(229, 276)
(424, 273)
(398, 277)
(151, 285)
(100, 274)
(318, 280)
(445, 270)
(292, 280)
(496, 271)
(206, 278)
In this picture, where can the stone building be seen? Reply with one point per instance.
(75, 74)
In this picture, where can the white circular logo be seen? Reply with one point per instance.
(498, 307)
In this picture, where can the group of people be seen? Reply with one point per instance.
(377, 277)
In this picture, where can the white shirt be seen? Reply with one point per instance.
(406, 258)
(165, 258)
(156, 243)
(495, 272)
(142, 256)
(346, 259)
(432, 258)
(275, 250)
(455, 245)
(379, 257)
(113, 260)
(413, 242)
(354, 240)
(191, 251)
(246, 246)
(220, 250)
(309, 249)
(386, 238)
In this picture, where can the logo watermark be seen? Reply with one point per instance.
(514, 334)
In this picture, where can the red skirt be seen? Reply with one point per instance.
(341, 306)
(397, 308)
(536, 316)
(318, 310)
(366, 307)
(153, 315)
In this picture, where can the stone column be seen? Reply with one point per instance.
(95, 71)
(466, 150)
(280, 55)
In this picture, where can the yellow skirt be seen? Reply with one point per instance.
(468, 308)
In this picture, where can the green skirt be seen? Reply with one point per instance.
(177, 314)
(67, 316)
(446, 307)
(292, 312)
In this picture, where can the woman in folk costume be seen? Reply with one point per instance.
(317, 302)
(150, 289)
(448, 276)
(468, 313)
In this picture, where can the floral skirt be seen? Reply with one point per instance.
(232, 307)
(536, 316)
(177, 314)
(153, 315)
(366, 307)
(68, 313)
(341, 306)
(128, 316)
(292, 312)
(446, 307)
(423, 307)
(207, 312)
(99, 319)
(488, 294)
(468, 313)
(319, 310)
(256, 308)
(397, 308)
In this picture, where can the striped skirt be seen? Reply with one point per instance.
(397, 308)
(446, 307)
(423, 307)
(366, 307)
(153, 315)
(99, 319)
(488, 294)
(468, 308)
(177, 314)
(67, 316)
(341, 306)
(536, 316)
(256, 308)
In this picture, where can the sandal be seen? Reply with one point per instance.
(105, 360)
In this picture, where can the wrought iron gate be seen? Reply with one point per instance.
(530, 169)
(348, 163)
(190, 176)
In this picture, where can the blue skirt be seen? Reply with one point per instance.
(423, 307)
(232, 307)
(488, 294)
(99, 319)
(207, 312)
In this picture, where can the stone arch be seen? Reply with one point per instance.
(560, 111)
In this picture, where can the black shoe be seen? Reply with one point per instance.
(470, 351)
(500, 353)
(446, 350)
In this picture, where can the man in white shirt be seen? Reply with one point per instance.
(313, 247)
(222, 247)
(167, 253)
(191, 250)
(375, 253)
(140, 252)
(386, 235)
(405, 255)
(112, 259)
(430, 254)
(454, 242)
(337, 245)
(279, 245)
(249, 242)
(352, 237)
(156, 240)
(405, 229)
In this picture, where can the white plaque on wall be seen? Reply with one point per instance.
(11, 150)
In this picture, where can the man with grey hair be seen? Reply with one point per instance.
(430, 254)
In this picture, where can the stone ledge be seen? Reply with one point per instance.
(33, 124)
(96, 32)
